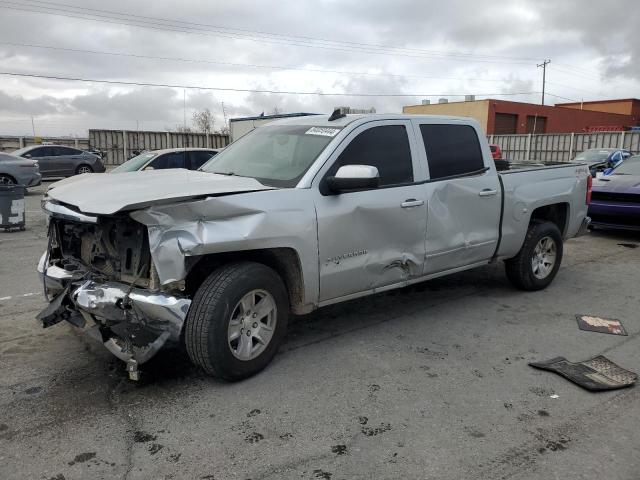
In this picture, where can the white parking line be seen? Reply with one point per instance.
(30, 294)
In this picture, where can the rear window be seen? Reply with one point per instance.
(451, 150)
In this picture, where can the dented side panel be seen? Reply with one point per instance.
(258, 220)
(368, 240)
(462, 226)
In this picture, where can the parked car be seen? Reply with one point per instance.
(189, 158)
(61, 161)
(616, 197)
(17, 170)
(602, 159)
(496, 152)
(295, 215)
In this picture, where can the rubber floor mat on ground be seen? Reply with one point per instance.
(592, 323)
(596, 374)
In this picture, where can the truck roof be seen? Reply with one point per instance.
(323, 120)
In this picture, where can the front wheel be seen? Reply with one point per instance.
(237, 320)
(538, 261)
(6, 180)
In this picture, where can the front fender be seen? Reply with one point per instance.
(249, 221)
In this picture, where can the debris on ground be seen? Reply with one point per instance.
(596, 374)
(600, 325)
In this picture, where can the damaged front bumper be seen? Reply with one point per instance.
(133, 323)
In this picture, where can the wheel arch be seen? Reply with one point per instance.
(3, 174)
(556, 213)
(285, 261)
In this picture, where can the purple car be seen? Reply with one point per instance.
(615, 201)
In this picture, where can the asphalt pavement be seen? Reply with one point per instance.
(427, 382)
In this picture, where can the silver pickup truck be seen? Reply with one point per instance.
(296, 215)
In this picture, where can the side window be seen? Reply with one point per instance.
(451, 150)
(168, 160)
(40, 152)
(67, 151)
(199, 158)
(386, 148)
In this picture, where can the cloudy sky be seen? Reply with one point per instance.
(248, 53)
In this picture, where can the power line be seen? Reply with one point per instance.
(560, 96)
(262, 34)
(191, 30)
(270, 67)
(250, 90)
(249, 65)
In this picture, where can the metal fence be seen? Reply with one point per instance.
(119, 145)
(10, 143)
(561, 147)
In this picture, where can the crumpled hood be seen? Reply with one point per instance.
(106, 194)
(618, 183)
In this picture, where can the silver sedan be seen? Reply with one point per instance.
(61, 161)
(17, 170)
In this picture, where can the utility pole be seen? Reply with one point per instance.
(544, 76)
(33, 127)
(224, 114)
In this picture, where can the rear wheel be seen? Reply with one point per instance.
(83, 169)
(237, 320)
(538, 261)
(7, 180)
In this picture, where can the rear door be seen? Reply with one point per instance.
(372, 238)
(66, 160)
(463, 197)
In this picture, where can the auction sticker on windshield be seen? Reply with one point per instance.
(324, 131)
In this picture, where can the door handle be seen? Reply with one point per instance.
(487, 192)
(411, 202)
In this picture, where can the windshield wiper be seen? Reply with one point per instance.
(228, 174)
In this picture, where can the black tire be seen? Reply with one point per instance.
(7, 180)
(520, 271)
(83, 166)
(207, 323)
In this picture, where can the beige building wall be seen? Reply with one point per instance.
(479, 110)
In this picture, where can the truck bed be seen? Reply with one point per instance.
(530, 185)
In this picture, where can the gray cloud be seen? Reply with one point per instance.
(506, 40)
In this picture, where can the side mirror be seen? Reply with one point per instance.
(27, 155)
(148, 167)
(354, 177)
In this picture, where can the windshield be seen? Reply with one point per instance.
(592, 156)
(134, 164)
(629, 167)
(277, 156)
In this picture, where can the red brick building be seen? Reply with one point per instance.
(501, 117)
(624, 106)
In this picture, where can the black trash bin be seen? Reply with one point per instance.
(12, 207)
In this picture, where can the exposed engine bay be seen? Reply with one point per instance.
(100, 275)
(116, 248)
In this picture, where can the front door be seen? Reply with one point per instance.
(372, 238)
(46, 160)
(464, 197)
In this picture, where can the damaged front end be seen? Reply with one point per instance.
(98, 275)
